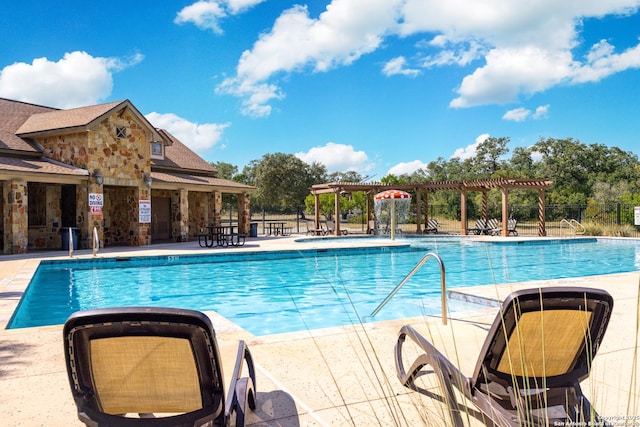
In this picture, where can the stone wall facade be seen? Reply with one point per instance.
(116, 151)
(16, 230)
(198, 213)
(48, 236)
(117, 148)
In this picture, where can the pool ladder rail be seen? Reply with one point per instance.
(413, 271)
(574, 225)
(96, 242)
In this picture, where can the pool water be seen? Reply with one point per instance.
(274, 292)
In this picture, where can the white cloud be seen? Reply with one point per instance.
(207, 14)
(460, 54)
(542, 112)
(470, 150)
(525, 48)
(398, 66)
(198, 137)
(407, 168)
(336, 157)
(517, 114)
(521, 114)
(78, 79)
(338, 37)
(509, 72)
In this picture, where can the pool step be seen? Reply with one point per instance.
(474, 299)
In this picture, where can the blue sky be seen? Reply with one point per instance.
(375, 86)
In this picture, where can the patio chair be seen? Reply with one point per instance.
(512, 223)
(143, 366)
(480, 227)
(311, 228)
(539, 348)
(331, 228)
(431, 226)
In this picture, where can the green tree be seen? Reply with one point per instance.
(565, 161)
(225, 170)
(283, 180)
(487, 160)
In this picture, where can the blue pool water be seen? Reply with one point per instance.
(273, 292)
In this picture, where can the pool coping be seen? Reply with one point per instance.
(303, 380)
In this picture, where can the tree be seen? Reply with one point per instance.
(225, 170)
(487, 159)
(283, 180)
(349, 176)
(565, 161)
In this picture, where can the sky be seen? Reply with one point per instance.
(372, 86)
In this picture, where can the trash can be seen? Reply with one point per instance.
(253, 229)
(75, 232)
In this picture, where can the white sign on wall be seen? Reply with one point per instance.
(96, 199)
(145, 211)
(636, 215)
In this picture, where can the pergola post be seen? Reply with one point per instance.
(419, 209)
(316, 212)
(485, 210)
(505, 211)
(542, 230)
(463, 213)
(336, 214)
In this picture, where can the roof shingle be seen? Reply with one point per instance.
(14, 113)
(179, 156)
(64, 119)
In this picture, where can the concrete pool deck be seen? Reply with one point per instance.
(327, 377)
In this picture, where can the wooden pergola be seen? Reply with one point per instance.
(423, 188)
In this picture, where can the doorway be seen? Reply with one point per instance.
(161, 219)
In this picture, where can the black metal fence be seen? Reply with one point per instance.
(598, 219)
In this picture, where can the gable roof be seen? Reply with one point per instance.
(19, 156)
(9, 142)
(14, 113)
(178, 156)
(40, 167)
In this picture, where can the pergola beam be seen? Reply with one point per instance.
(482, 185)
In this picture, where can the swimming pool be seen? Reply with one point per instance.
(285, 291)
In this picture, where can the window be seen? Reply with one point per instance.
(121, 132)
(156, 149)
(37, 202)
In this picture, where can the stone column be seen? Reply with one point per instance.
(144, 228)
(88, 219)
(211, 203)
(17, 219)
(244, 213)
(217, 208)
(180, 215)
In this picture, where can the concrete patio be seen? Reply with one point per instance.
(327, 377)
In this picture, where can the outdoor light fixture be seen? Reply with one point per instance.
(147, 179)
(97, 175)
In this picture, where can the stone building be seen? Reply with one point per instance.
(102, 167)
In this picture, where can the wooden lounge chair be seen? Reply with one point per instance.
(331, 228)
(512, 223)
(480, 227)
(143, 366)
(311, 228)
(539, 348)
(431, 226)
